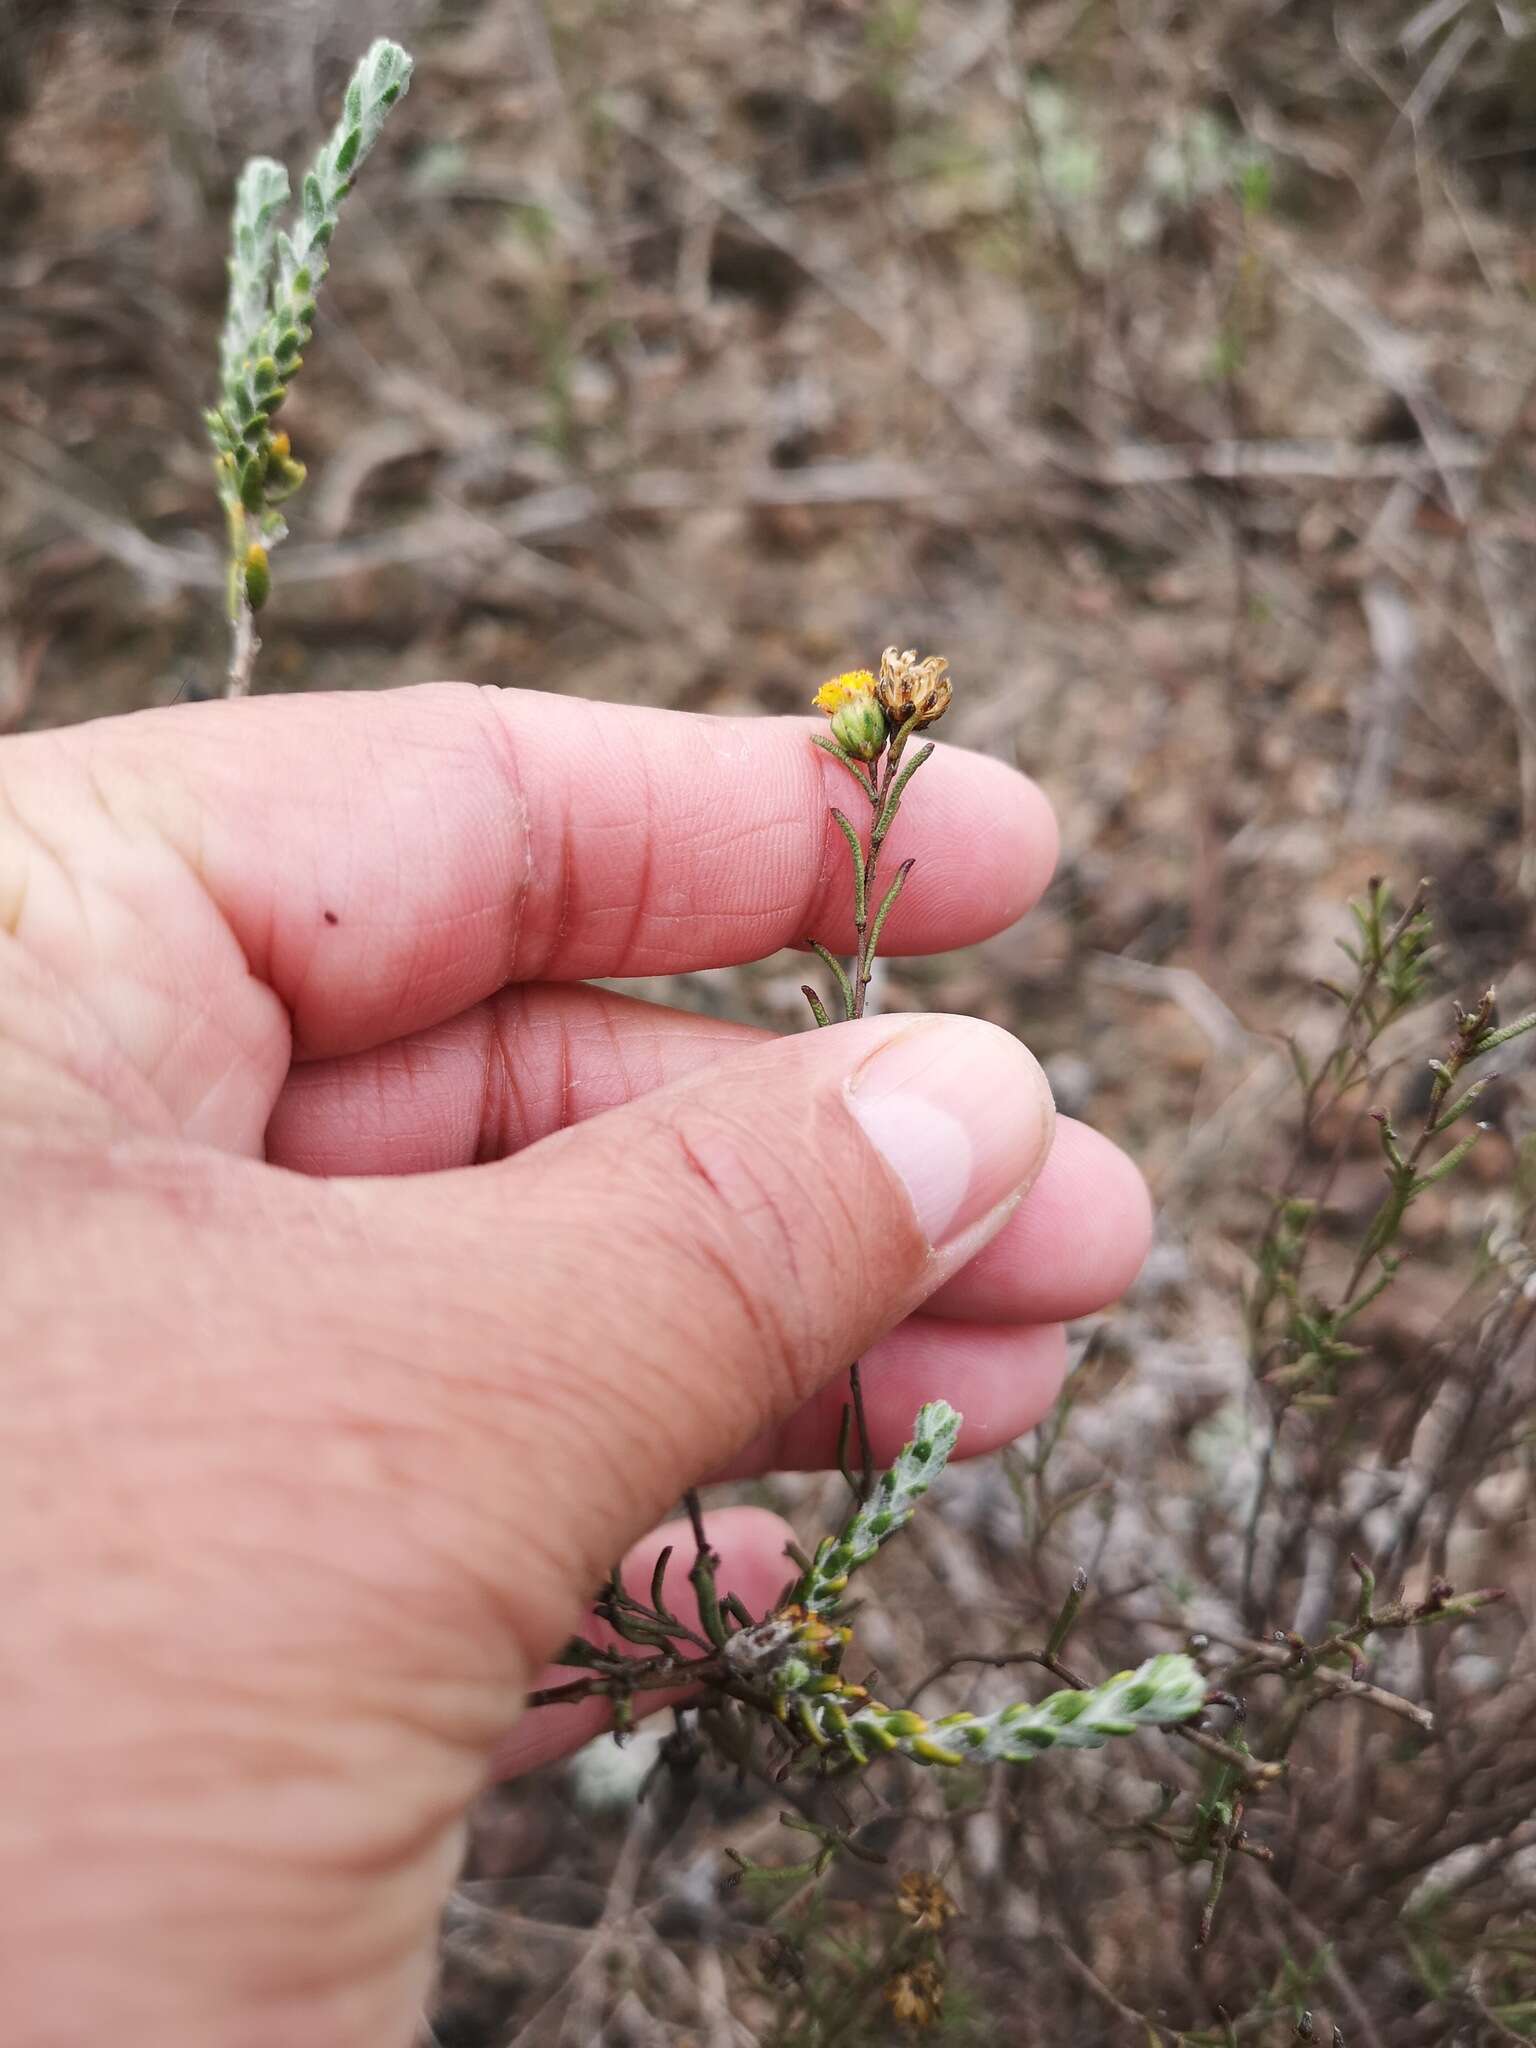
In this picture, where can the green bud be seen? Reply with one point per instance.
(257, 577)
(859, 727)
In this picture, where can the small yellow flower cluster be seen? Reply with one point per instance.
(858, 683)
(858, 723)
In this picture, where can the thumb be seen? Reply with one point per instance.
(620, 1308)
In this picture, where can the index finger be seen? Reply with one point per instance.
(387, 859)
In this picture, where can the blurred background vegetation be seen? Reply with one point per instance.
(1172, 368)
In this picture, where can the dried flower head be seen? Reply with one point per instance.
(924, 1901)
(916, 1996)
(858, 723)
(909, 688)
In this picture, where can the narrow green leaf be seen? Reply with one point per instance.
(1504, 1034)
(892, 802)
(818, 1007)
(1449, 1164)
(845, 826)
(831, 960)
(1377, 1287)
(1461, 1105)
(891, 894)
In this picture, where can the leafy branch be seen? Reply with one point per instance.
(1301, 1339)
(786, 1669)
(274, 275)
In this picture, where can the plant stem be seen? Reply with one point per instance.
(865, 1485)
(243, 650)
(880, 821)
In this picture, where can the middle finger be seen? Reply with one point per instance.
(533, 1060)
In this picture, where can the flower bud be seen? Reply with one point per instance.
(257, 576)
(860, 729)
(858, 723)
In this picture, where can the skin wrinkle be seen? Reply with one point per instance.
(563, 1100)
(13, 888)
(71, 1043)
(533, 1597)
(517, 808)
(34, 834)
(417, 1060)
(505, 1113)
(827, 794)
(608, 1025)
(728, 1160)
(571, 860)
(419, 977)
(205, 1016)
(663, 1379)
(192, 1018)
(562, 841)
(647, 811)
(192, 859)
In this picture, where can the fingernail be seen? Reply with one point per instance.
(962, 1115)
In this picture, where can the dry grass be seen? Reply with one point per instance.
(1171, 369)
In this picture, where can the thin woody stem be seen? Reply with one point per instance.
(881, 815)
(862, 1487)
(243, 650)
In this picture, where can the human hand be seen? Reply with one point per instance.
(371, 1283)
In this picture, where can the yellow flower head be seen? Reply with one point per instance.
(858, 723)
(844, 689)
